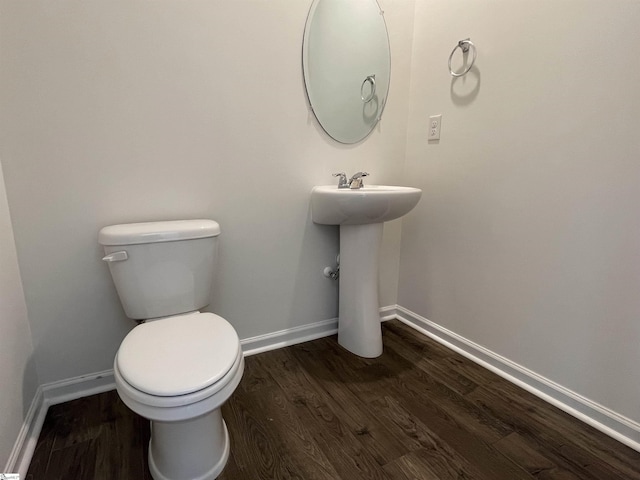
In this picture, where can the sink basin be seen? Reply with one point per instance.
(331, 205)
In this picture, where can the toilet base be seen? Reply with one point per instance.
(195, 449)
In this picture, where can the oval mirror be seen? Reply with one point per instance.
(347, 64)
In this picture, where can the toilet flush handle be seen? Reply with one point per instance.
(116, 256)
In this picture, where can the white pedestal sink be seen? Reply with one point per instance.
(360, 213)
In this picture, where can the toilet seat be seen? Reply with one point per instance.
(180, 407)
(178, 356)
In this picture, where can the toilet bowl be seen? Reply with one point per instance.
(179, 366)
(189, 438)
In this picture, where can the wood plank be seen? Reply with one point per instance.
(76, 461)
(429, 372)
(605, 449)
(384, 444)
(325, 418)
(435, 458)
(122, 445)
(86, 424)
(415, 466)
(539, 428)
(446, 403)
(363, 376)
(453, 379)
(346, 453)
(537, 460)
(485, 459)
(274, 443)
(255, 376)
(427, 347)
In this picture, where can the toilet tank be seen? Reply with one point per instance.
(161, 268)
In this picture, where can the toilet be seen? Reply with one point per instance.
(178, 366)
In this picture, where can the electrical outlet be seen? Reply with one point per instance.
(435, 121)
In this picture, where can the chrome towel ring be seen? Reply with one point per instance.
(463, 45)
(372, 80)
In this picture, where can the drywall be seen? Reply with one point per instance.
(18, 377)
(125, 111)
(527, 237)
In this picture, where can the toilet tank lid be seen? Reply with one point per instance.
(154, 232)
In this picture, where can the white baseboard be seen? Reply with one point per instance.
(25, 445)
(607, 421)
(289, 336)
(388, 313)
(46, 396)
(78, 387)
(304, 333)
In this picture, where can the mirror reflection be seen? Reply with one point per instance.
(347, 63)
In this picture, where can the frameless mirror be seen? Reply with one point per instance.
(347, 64)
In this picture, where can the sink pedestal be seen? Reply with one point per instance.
(359, 328)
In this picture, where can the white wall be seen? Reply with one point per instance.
(120, 111)
(527, 238)
(18, 377)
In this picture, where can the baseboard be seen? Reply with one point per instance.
(301, 334)
(47, 395)
(289, 336)
(607, 421)
(388, 313)
(25, 444)
(78, 387)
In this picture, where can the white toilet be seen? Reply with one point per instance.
(179, 366)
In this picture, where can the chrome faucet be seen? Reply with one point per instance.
(342, 181)
(355, 182)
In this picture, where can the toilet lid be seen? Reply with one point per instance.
(178, 355)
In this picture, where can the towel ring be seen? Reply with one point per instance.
(372, 80)
(463, 45)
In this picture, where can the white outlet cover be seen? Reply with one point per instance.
(435, 122)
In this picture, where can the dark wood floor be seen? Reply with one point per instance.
(314, 411)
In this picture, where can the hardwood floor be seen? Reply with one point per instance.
(314, 411)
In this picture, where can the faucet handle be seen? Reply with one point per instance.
(356, 181)
(359, 175)
(342, 181)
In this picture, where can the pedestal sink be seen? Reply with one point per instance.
(360, 213)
